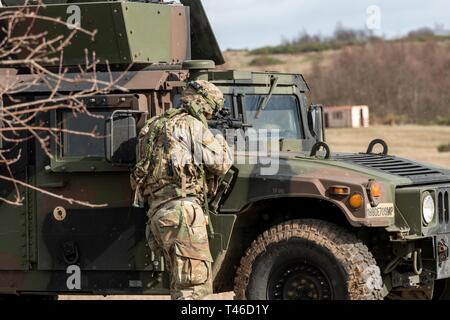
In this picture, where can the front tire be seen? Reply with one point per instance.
(308, 260)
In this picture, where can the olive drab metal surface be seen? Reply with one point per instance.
(128, 32)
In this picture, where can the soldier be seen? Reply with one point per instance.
(178, 157)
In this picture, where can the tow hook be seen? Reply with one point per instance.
(442, 252)
(417, 261)
(71, 254)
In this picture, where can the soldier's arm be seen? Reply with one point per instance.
(214, 151)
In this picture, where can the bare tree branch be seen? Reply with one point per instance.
(24, 48)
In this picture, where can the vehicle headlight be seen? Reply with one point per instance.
(428, 209)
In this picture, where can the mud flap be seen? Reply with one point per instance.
(223, 223)
(220, 239)
(223, 227)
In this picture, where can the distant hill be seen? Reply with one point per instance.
(403, 81)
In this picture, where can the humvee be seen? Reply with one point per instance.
(326, 226)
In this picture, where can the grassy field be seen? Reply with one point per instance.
(291, 63)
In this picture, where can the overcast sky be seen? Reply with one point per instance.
(255, 23)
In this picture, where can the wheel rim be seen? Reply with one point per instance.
(301, 281)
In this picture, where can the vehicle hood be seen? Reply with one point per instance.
(396, 170)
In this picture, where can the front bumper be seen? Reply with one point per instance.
(409, 213)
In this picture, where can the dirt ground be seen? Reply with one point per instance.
(415, 142)
(222, 296)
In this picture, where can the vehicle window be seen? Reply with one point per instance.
(281, 113)
(228, 101)
(75, 145)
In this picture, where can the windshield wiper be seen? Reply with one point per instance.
(265, 101)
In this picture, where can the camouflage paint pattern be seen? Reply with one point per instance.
(129, 32)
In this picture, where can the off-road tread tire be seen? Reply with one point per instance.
(364, 281)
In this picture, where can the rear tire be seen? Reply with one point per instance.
(308, 259)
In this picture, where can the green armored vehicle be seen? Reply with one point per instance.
(320, 226)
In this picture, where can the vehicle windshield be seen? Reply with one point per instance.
(281, 113)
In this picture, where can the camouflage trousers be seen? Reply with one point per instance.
(179, 230)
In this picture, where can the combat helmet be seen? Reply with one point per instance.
(202, 98)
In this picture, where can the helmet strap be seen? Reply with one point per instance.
(196, 111)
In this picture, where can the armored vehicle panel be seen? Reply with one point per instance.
(127, 32)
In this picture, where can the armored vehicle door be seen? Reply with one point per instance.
(109, 235)
(15, 220)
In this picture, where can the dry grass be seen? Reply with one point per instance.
(395, 79)
(418, 143)
(291, 63)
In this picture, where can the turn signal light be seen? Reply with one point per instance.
(356, 201)
(339, 190)
(375, 189)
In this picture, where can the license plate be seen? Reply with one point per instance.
(383, 210)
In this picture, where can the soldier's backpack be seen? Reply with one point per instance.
(151, 162)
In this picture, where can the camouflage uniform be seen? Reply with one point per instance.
(178, 155)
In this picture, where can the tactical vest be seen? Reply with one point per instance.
(158, 171)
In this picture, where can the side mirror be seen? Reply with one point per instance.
(316, 122)
(121, 137)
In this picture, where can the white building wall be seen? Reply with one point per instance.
(339, 118)
(357, 112)
(366, 117)
(348, 117)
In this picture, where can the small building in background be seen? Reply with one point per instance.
(346, 116)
